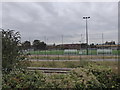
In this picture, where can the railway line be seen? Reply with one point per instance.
(50, 70)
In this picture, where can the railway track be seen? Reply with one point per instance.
(50, 70)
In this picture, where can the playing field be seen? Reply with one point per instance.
(61, 52)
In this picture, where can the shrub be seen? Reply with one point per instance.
(23, 79)
(105, 76)
(10, 50)
(78, 78)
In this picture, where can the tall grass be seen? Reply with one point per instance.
(70, 57)
(74, 64)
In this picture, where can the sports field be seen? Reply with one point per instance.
(61, 52)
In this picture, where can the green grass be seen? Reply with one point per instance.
(49, 52)
(61, 52)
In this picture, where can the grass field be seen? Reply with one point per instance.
(74, 64)
(61, 52)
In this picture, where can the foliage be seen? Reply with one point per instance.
(78, 78)
(23, 79)
(10, 50)
(26, 45)
(105, 76)
(12, 56)
(37, 45)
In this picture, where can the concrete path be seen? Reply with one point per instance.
(76, 60)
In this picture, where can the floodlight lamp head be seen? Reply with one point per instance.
(84, 17)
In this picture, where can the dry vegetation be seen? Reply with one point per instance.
(74, 64)
(72, 57)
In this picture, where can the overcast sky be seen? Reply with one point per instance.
(48, 21)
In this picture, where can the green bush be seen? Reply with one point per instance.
(12, 57)
(105, 76)
(78, 78)
(10, 49)
(23, 79)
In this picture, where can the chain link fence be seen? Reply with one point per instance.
(65, 47)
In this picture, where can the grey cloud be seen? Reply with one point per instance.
(37, 20)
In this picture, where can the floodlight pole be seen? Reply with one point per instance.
(86, 33)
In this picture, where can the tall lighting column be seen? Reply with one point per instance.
(86, 17)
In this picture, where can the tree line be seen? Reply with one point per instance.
(36, 45)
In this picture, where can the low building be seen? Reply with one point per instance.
(115, 47)
(71, 46)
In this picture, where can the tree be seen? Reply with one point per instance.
(26, 45)
(37, 45)
(92, 45)
(10, 50)
(42, 46)
(110, 43)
